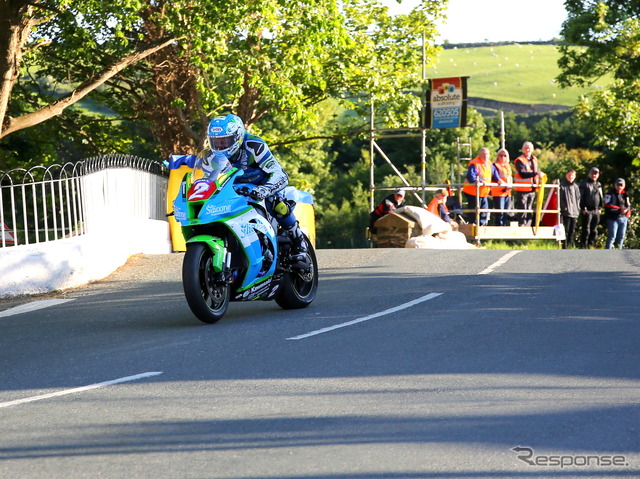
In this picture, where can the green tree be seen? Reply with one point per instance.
(343, 201)
(517, 132)
(252, 57)
(603, 38)
(54, 54)
(189, 59)
(32, 27)
(556, 161)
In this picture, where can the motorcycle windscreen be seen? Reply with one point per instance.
(210, 167)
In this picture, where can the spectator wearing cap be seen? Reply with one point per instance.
(386, 206)
(617, 209)
(591, 202)
(438, 206)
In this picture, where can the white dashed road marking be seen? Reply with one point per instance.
(33, 306)
(367, 318)
(79, 390)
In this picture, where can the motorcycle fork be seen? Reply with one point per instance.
(221, 258)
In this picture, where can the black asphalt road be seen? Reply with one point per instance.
(409, 364)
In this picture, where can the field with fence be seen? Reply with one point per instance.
(518, 73)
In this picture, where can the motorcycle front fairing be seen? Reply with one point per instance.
(208, 197)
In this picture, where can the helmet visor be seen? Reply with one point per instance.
(221, 143)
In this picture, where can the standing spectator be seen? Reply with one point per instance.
(526, 178)
(476, 184)
(569, 195)
(438, 206)
(591, 201)
(386, 206)
(502, 194)
(617, 210)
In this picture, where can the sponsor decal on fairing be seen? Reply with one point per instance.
(216, 209)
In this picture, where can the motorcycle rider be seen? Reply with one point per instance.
(228, 137)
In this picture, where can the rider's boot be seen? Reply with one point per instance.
(298, 243)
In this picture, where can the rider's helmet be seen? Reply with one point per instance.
(226, 134)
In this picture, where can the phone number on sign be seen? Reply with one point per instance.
(446, 112)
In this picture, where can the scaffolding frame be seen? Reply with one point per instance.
(375, 147)
(476, 232)
(473, 232)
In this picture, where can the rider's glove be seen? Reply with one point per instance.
(260, 192)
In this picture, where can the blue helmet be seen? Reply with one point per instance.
(226, 134)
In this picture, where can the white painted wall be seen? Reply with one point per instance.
(121, 205)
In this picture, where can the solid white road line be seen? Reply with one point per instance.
(500, 262)
(367, 318)
(33, 306)
(79, 390)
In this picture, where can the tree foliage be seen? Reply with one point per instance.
(603, 38)
(56, 27)
(189, 59)
(294, 70)
(343, 200)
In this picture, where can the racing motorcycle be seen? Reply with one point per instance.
(235, 249)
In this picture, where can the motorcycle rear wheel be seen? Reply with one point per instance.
(298, 289)
(208, 299)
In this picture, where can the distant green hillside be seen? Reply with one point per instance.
(518, 73)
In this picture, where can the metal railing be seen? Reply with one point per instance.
(43, 204)
(469, 218)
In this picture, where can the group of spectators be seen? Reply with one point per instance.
(587, 199)
(498, 180)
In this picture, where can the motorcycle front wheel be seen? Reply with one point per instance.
(207, 298)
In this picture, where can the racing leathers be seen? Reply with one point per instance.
(262, 169)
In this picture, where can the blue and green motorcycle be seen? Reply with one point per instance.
(234, 251)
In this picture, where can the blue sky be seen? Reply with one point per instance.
(471, 21)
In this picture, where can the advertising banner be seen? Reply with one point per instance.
(447, 103)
